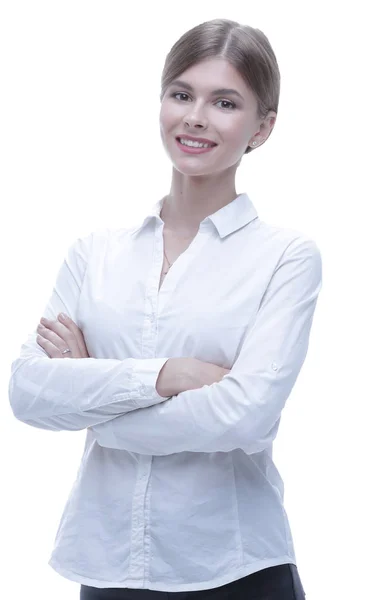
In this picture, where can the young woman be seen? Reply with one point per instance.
(189, 333)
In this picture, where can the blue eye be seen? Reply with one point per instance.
(227, 101)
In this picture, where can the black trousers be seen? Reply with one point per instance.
(275, 583)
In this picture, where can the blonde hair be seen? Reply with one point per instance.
(247, 49)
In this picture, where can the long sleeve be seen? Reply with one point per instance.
(73, 394)
(243, 410)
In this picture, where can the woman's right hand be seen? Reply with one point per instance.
(183, 374)
(198, 373)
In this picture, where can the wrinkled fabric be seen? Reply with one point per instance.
(181, 493)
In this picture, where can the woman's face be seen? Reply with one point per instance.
(228, 119)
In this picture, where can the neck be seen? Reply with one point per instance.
(193, 198)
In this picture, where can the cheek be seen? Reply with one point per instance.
(168, 117)
(235, 131)
(163, 119)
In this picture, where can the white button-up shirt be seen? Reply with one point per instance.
(180, 493)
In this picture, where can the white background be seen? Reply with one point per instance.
(80, 149)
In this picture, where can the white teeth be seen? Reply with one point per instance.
(194, 144)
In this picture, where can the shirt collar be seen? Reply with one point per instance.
(226, 220)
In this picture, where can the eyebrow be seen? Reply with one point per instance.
(220, 91)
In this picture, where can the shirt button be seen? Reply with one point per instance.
(274, 366)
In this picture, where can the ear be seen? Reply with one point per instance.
(268, 123)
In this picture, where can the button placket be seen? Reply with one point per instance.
(137, 563)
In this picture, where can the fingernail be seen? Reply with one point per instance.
(63, 316)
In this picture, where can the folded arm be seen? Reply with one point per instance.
(243, 410)
(73, 394)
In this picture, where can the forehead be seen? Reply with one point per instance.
(214, 73)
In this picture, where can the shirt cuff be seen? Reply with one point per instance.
(146, 371)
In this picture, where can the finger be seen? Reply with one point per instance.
(71, 325)
(49, 348)
(55, 339)
(63, 332)
(54, 325)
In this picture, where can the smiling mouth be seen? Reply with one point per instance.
(210, 145)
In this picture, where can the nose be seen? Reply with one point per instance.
(191, 127)
(191, 124)
(195, 119)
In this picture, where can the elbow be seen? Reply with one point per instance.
(49, 423)
(16, 401)
(24, 409)
(20, 394)
(21, 413)
(29, 405)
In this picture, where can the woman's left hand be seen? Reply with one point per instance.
(56, 336)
